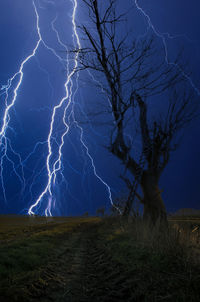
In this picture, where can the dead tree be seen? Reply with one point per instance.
(132, 72)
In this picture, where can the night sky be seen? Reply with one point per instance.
(88, 170)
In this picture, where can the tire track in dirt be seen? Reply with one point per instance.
(82, 271)
(98, 277)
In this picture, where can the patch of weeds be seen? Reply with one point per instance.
(155, 270)
(32, 249)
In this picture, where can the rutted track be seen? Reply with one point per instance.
(99, 278)
(93, 260)
(82, 271)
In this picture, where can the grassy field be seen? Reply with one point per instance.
(93, 259)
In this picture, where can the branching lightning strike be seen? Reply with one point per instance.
(53, 162)
(67, 100)
(164, 37)
(6, 116)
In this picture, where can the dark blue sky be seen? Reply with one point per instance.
(78, 189)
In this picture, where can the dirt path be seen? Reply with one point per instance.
(92, 261)
(82, 271)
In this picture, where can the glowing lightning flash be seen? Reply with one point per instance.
(20, 74)
(163, 37)
(14, 84)
(67, 96)
(4, 90)
(4, 142)
(68, 100)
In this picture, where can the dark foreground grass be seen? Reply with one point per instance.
(89, 259)
(28, 248)
(163, 266)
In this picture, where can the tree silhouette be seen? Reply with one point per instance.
(132, 73)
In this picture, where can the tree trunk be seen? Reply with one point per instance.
(154, 208)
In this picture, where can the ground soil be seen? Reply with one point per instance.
(89, 260)
(83, 270)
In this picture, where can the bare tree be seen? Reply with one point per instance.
(134, 72)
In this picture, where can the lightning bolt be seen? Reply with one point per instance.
(52, 171)
(164, 37)
(14, 83)
(54, 168)
(19, 74)
(4, 142)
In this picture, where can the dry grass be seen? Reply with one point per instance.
(27, 245)
(181, 237)
(13, 228)
(164, 263)
(39, 256)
